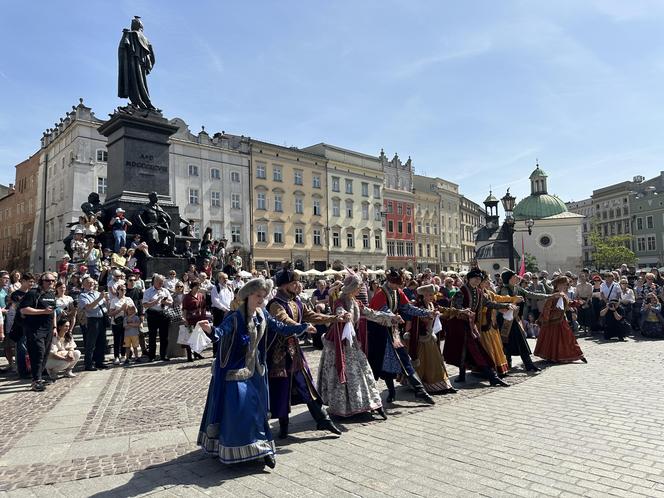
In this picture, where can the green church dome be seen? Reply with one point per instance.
(538, 206)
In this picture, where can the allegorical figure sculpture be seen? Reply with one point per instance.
(154, 225)
(135, 61)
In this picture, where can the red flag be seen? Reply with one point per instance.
(522, 269)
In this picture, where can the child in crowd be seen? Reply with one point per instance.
(530, 326)
(132, 324)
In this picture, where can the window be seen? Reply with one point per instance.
(419, 227)
(435, 251)
(400, 248)
(278, 203)
(260, 200)
(399, 208)
(336, 207)
(376, 189)
(336, 241)
(299, 235)
(390, 226)
(193, 196)
(377, 241)
(545, 241)
(335, 184)
(102, 185)
(261, 233)
(235, 234)
(365, 189)
(428, 250)
(193, 170)
(316, 207)
(299, 205)
(215, 199)
(315, 182)
(278, 233)
(390, 248)
(365, 211)
(365, 241)
(297, 179)
(349, 186)
(215, 174)
(316, 232)
(639, 223)
(435, 229)
(276, 173)
(419, 250)
(400, 226)
(409, 249)
(390, 208)
(649, 222)
(350, 239)
(641, 244)
(235, 176)
(235, 201)
(349, 209)
(217, 232)
(378, 214)
(652, 244)
(260, 170)
(409, 211)
(102, 156)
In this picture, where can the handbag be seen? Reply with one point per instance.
(174, 314)
(183, 335)
(198, 340)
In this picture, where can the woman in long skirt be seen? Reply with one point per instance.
(489, 333)
(556, 341)
(345, 380)
(424, 344)
(235, 424)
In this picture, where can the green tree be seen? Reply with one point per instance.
(531, 262)
(611, 252)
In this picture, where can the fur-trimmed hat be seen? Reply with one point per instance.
(286, 275)
(351, 283)
(431, 288)
(507, 275)
(475, 273)
(394, 276)
(254, 285)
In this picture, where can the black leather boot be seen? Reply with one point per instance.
(323, 421)
(391, 391)
(531, 367)
(462, 375)
(283, 427)
(381, 411)
(493, 378)
(420, 392)
(270, 461)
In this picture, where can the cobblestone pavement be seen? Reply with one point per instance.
(572, 430)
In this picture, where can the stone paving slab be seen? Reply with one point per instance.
(573, 430)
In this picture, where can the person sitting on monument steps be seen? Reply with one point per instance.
(155, 224)
(119, 225)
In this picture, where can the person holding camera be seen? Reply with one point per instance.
(651, 317)
(92, 303)
(614, 323)
(155, 300)
(119, 225)
(39, 325)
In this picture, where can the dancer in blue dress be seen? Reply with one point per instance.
(235, 425)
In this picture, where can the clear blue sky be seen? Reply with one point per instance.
(474, 91)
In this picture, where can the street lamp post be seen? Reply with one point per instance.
(508, 202)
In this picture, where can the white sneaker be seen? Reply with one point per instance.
(116, 361)
(69, 373)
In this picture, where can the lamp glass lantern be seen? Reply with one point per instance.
(508, 202)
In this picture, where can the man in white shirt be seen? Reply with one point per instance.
(609, 289)
(237, 283)
(154, 300)
(222, 297)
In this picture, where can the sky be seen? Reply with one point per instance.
(474, 91)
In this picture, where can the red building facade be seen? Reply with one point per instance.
(399, 210)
